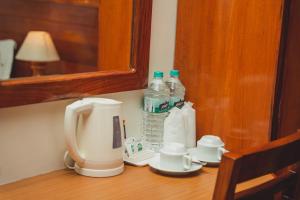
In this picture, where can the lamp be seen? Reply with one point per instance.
(37, 47)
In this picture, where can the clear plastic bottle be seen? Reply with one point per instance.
(177, 90)
(156, 106)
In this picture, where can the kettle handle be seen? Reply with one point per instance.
(71, 119)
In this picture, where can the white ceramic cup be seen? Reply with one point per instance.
(210, 148)
(174, 156)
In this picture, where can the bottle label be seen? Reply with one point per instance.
(176, 101)
(155, 105)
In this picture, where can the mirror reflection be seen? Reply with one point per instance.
(49, 37)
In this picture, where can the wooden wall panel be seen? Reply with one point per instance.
(288, 120)
(227, 54)
(115, 42)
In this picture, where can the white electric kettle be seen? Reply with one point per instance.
(94, 136)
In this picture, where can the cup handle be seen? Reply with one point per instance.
(71, 121)
(221, 151)
(187, 162)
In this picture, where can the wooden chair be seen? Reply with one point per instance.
(276, 157)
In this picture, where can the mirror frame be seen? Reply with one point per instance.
(32, 90)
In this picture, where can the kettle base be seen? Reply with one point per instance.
(99, 172)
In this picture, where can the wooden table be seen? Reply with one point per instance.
(134, 183)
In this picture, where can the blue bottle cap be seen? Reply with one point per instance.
(174, 73)
(158, 74)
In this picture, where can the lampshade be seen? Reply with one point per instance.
(37, 47)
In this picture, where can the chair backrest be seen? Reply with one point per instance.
(252, 163)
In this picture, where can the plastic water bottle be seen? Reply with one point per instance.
(177, 90)
(156, 106)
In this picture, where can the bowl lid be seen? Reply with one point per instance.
(210, 141)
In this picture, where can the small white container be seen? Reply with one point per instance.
(210, 147)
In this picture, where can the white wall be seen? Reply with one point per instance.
(31, 137)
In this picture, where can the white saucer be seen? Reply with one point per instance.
(193, 152)
(155, 164)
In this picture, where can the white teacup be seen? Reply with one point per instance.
(210, 148)
(174, 156)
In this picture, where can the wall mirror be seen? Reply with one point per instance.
(58, 49)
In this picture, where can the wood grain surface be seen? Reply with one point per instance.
(227, 53)
(115, 34)
(23, 69)
(134, 183)
(288, 117)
